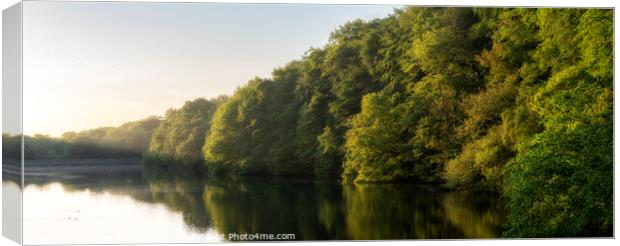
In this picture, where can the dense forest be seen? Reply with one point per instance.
(519, 101)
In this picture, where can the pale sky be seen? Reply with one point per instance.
(92, 64)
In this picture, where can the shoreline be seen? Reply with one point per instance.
(48, 168)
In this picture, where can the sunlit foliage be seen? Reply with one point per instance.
(129, 140)
(181, 135)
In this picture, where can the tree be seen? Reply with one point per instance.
(181, 135)
(561, 181)
(254, 131)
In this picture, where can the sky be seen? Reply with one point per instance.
(93, 64)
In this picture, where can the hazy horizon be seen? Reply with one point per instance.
(88, 66)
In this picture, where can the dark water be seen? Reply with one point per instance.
(186, 208)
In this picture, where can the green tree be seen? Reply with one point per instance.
(561, 182)
(408, 131)
(254, 131)
(181, 135)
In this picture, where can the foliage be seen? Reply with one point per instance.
(253, 131)
(560, 185)
(181, 134)
(561, 181)
(129, 140)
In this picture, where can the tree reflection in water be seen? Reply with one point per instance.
(317, 211)
(312, 210)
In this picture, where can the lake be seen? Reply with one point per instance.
(155, 206)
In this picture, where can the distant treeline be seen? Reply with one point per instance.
(129, 140)
(515, 100)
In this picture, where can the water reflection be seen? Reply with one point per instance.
(318, 211)
(421, 212)
(266, 206)
(311, 210)
(180, 192)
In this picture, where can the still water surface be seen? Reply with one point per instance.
(152, 207)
